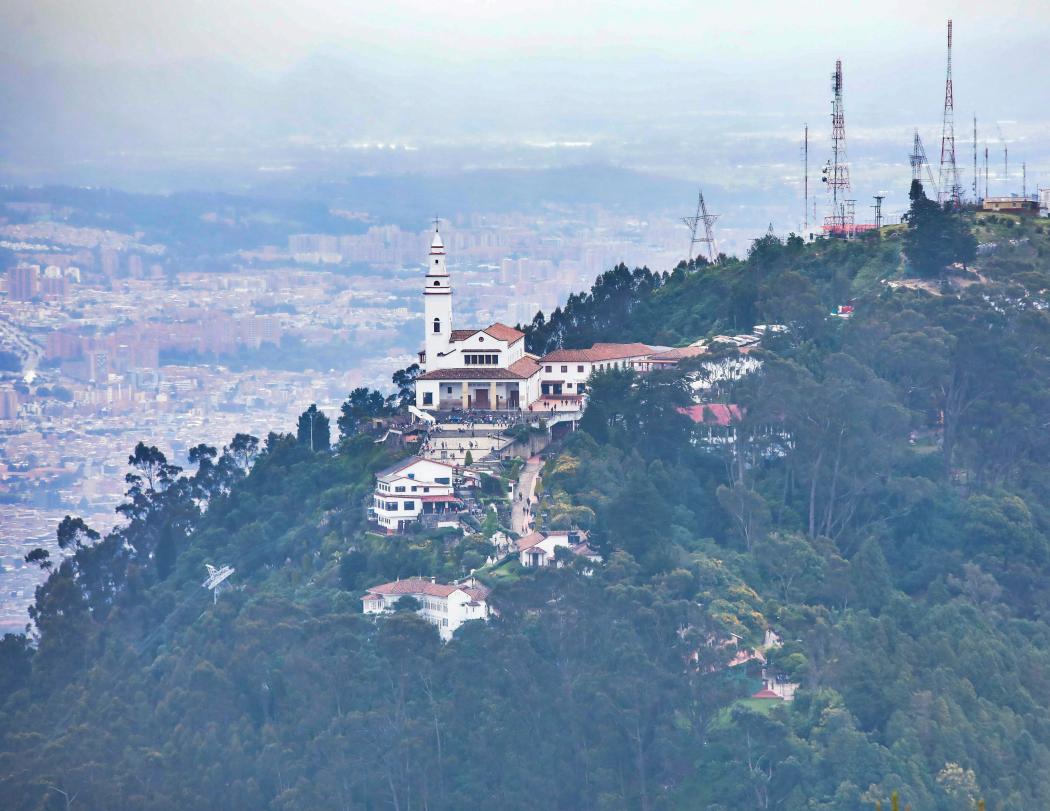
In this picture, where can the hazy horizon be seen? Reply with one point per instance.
(166, 96)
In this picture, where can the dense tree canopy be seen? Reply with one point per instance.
(882, 502)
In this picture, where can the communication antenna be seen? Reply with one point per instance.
(878, 209)
(805, 177)
(702, 216)
(950, 191)
(216, 580)
(836, 172)
(918, 161)
(986, 171)
(975, 194)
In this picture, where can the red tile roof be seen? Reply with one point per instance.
(414, 585)
(597, 353)
(679, 354)
(713, 414)
(530, 540)
(766, 693)
(519, 370)
(421, 585)
(408, 462)
(501, 332)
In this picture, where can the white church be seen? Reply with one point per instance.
(489, 370)
(485, 369)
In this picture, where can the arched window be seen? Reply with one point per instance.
(437, 325)
(437, 283)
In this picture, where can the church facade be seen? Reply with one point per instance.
(488, 369)
(484, 369)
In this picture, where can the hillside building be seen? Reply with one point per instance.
(1023, 206)
(484, 369)
(447, 606)
(411, 489)
(538, 549)
(565, 371)
(488, 369)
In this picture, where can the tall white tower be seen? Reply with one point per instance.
(437, 298)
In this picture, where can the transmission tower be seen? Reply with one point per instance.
(708, 220)
(839, 221)
(950, 191)
(919, 161)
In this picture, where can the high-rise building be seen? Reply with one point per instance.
(9, 402)
(23, 282)
(109, 260)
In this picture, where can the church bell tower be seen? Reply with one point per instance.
(437, 298)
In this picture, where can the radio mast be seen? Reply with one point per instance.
(976, 195)
(839, 221)
(805, 177)
(950, 191)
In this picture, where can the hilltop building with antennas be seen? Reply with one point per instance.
(1024, 206)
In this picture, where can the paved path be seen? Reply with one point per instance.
(519, 522)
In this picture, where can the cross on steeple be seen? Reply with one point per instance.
(437, 223)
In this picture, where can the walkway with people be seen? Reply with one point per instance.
(524, 491)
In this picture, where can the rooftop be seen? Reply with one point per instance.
(501, 332)
(599, 352)
(519, 370)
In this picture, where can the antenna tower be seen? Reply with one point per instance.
(986, 171)
(839, 220)
(975, 193)
(950, 190)
(878, 210)
(805, 177)
(918, 161)
(708, 220)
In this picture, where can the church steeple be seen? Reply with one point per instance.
(437, 297)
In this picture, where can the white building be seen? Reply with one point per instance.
(486, 369)
(539, 549)
(489, 369)
(412, 488)
(566, 371)
(446, 606)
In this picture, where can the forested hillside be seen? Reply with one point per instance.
(883, 505)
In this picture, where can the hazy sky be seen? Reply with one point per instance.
(685, 88)
(274, 35)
